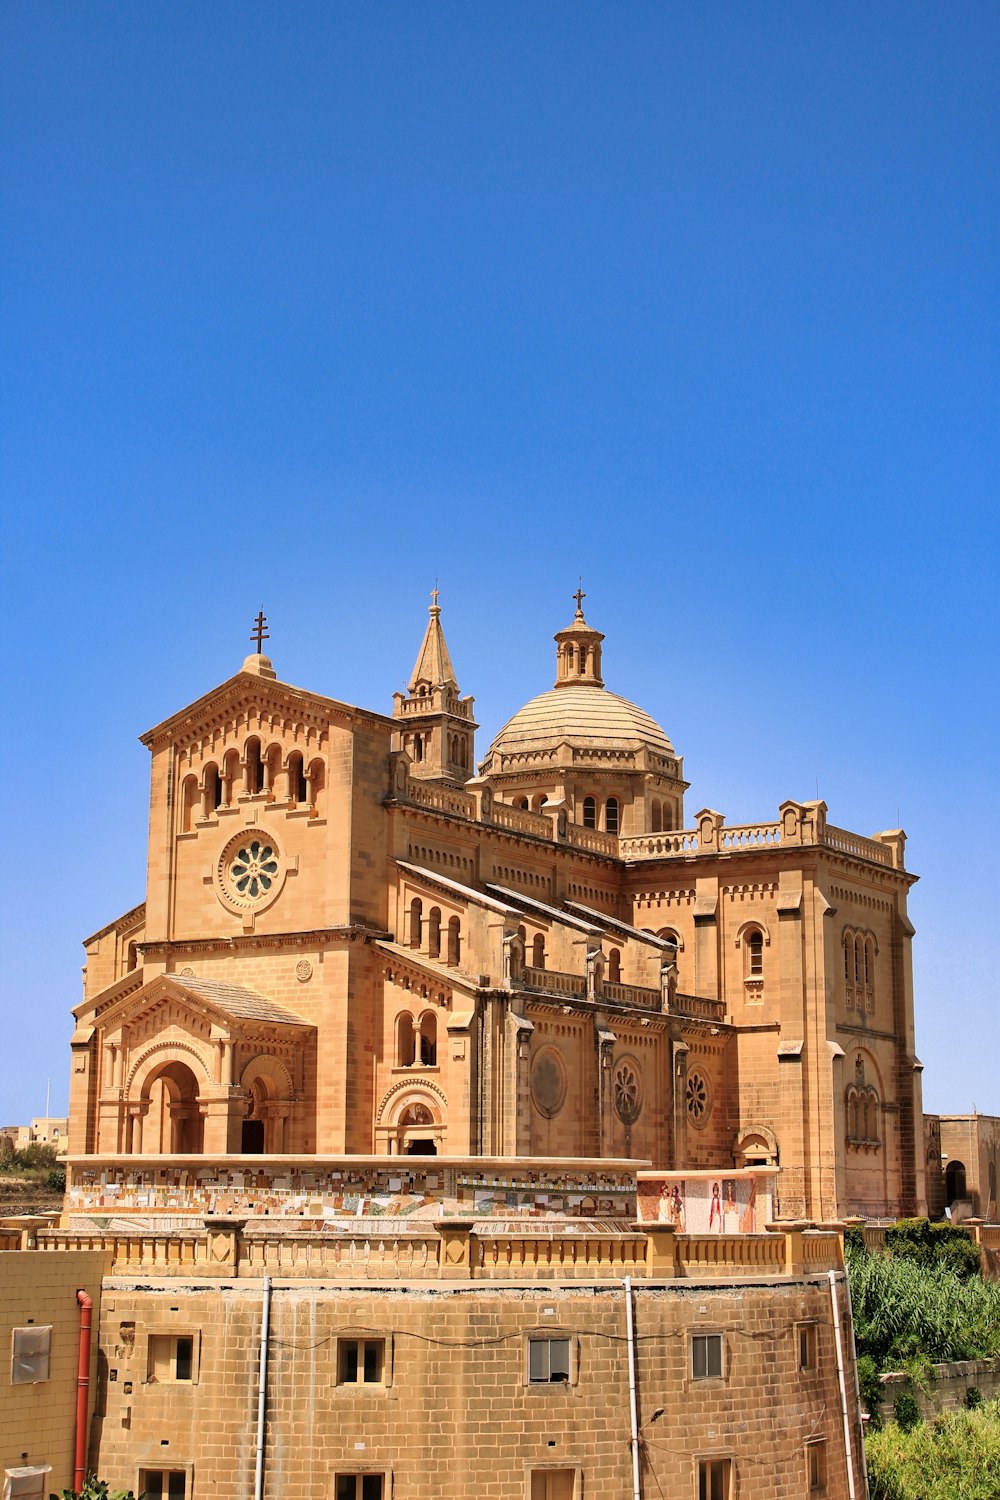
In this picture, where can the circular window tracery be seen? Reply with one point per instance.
(699, 1098)
(548, 1082)
(251, 870)
(628, 1090)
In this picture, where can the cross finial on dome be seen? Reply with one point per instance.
(435, 592)
(579, 596)
(257, 661)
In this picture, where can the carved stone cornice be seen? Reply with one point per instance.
(248, 693)
(259, 942)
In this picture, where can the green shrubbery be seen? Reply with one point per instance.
(954, 1457)
(30, 1159)
(96, 1489)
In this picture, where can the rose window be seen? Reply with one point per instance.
(254, 869)
(250, 871)
(698, 1098)
(628, 1091)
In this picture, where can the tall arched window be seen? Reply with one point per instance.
(315, 782)
(416, 912)
(406, 1048)
(434, 932)
(615, 966)
(611, 815)
(230, 777)
(656, 817)
(428, 1039)
(189, 803)
(520, 802)
(538, 951)
(454, 942)
(590, 812)
(754, 944)
(254, 769)
(297, 791)
(213, 790)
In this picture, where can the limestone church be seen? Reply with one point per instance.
(353, 942)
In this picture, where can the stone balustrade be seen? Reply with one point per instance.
(699, 1008)
(853, 843)
(519, 820)
(629, 994)
(554, 982)
(592, 840)
(444, 799)
(458, 1249)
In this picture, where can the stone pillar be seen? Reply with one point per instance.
(456, 1247)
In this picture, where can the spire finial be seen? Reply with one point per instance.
(579, 596)
(259, 632)
(435, 591)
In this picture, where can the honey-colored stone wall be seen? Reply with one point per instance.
(455, 1415)
(37, 1421)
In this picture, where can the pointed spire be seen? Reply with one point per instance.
(433, 665)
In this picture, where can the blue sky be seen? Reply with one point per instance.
(309, 305)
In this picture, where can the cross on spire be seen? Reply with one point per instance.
(434, 595)
(579, 596)
(259, 633)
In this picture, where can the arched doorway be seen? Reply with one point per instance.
(415, 1137)
(174, 1124)
(954, 1181)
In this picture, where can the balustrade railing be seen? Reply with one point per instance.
(442, 799)
(852, 843)
(519, 820)
(554, 982)
(699, 1007)
(593, 840)
(657, 845)
(630, 994)
(750, 836)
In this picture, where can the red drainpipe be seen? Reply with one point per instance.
(82, 1391)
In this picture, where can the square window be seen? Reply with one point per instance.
(706, 1356)
(360, 1362)
(163, 1484)
(714, 1478)
(548, 1361)
(553, 1484)
(816, 1468)
(171, 1357)
(29, 1354)
(29, 1483)
(807, 1346)
(360, 1487)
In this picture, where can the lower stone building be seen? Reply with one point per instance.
(512, 1362)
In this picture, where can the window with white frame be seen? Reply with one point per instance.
(706, 1356)
(30, 1350)
(548, 1360)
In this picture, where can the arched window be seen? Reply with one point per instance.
(416, 911)
(418, 748)
(669, 817)
(859, 959)
(212, 797)
(538, 951)
(133, 957)
(611, 815)
(230, 776)
(189, 803)
(454, 942)
(615, 966)
(406, 1046)
(520, 802)
(428, 1039)
(754, 944)
(590, 812)
(297, 791)
(539, 801)
(315, 782)
(254, 770)
(656, 817)
(434, 932)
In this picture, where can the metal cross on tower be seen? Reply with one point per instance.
(259, 632)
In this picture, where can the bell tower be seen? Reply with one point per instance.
(436, 727)
(578, 651)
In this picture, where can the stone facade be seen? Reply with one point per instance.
(351, 943)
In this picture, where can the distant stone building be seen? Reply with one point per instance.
(962, 1154)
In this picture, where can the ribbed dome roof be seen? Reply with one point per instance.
(584, 717)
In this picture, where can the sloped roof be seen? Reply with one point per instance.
(242, 1004)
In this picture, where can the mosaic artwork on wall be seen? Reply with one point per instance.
(322, 1197)
(707, 1203)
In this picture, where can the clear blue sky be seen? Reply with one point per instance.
(306, 305)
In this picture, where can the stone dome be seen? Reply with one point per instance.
(583, 717)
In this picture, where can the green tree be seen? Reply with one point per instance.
(96, 1489)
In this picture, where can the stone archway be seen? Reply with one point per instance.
(170, 1111)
